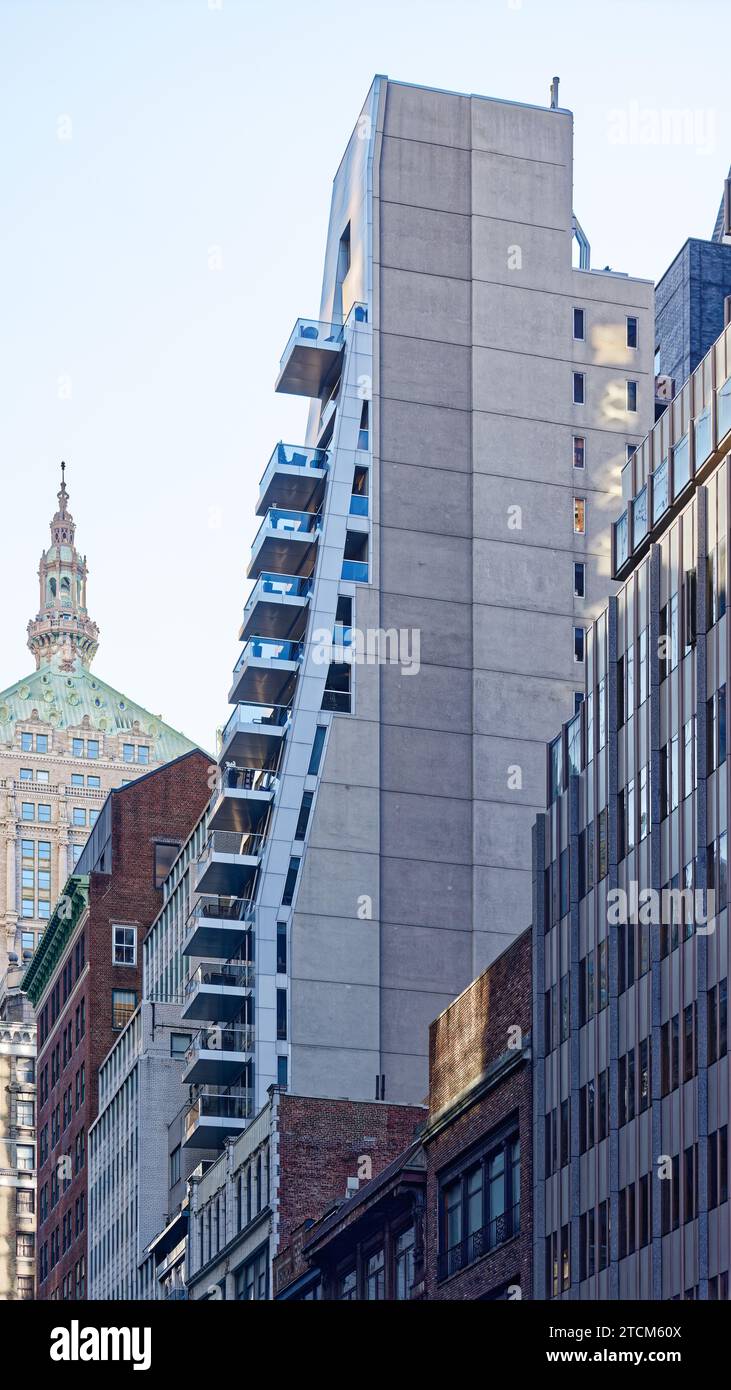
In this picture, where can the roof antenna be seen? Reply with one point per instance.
(554, 93)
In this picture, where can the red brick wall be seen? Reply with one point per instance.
(320, 1142)
(470, 1035)
(166, 804)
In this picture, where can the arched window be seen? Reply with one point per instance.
(51, 588)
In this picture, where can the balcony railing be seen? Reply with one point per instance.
(217, 1106)
(249, 779)
(295, 456)
(221, 1040)
(211, 905)
(215, 975)
(286, 522)
(501, 1229)
(250, 717)
(355, 569)
(268, 649)
(283, 585)
(245, 845)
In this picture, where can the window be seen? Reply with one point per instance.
(632, 331)
(579, 580)
(25, 1245)
(579, 516)
(41, 776)
(304, 816)
(124, 1003)
(41, 743)
(375, 1276)
(579, 451)
(579, 385)
(77, 779)
(24, 1201)
(26, 743)
(26, 774)
(94, 782)
(77, 747)
(175, 1168)
(282, 1015)
(290, 882)
(143, 753)
(25, 1113)
(93, 817)
(92, 748)
(632, 397)
(44, 813)
(124, 945)
(28, 811)
(76, 853)
(404, 1263)
(480, 1208)
(252, 1280)
(128, 752)
(317, 747)
(179, 1044)
(579, 325)
(79, 815)
(25, 1157)
(281, 1071)
(166, 852)
(579, 641)
(281, 948)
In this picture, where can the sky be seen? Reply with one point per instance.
(165, 176)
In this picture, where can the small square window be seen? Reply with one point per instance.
(580, 516)
(579, 451)
(632, 397)
(579, 580)
(578, 388)
(26, 774)
(179, 1044)
(94, 782)
(124, 1003)
(41, 776)
(77, 779)
(579, 332)
(632, 331)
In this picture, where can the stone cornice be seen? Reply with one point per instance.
(61, 927)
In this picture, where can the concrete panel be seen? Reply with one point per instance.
(407, 1077)
(428, 372)
(501, 700)
(437, 698)
(505, 572)
(515, 253)
(421, 239)
(426, 958)
(334, 1015)
(425, 175)
(425, 306)
(432, 827)
(427, 565)
(430, 436)
(426, 499)
(332, 880)
(494, 777)
(537, 449)
(346, 816)
(407, 763)
(521, 190)
(417, 113)
(503, 834)
(506, 128)
(446, 628)
(518, 640)
(407, 1015)
(546, 515)
(333, 948)
(415, 892)
(502, 899)
(539, 388)
(338, 1072)
(352, 753)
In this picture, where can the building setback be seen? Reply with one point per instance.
(426, 563)
(692, 302)
(450, 1217)
(631, 1085)
(84, 983)
(296, 1157)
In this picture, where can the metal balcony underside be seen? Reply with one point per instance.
(283, 551)
(311, 359)
(254, 741)
(217, 934)
(243, 809)
(264, 681)
(277, 607)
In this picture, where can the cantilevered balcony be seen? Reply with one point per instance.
(266, 672)
(286, 542)
(254, 735)
(295, 476)
(243, 800)
(218, 1055)
(312, 358)
(214, 1115)
(219, 927)
(277, 607)
(228, 863)
(216, 993)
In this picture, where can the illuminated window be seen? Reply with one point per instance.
(580, 516)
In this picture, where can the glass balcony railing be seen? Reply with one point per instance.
(358, 504)
(286, 522)
(639, 516)
(681, 465)
(703, 436)
(311, 333)
(356, 570)
(232, 842)
(217, 1105)
(660, 491)
(215, 975)
(248, 779)
(219, 1039)
(723, 405)
(247, 717)
(268, 649)
(220, 908)
(285, 585)
(295, 456)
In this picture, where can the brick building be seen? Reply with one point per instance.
(478, 1138)
(298, 1157)
(449, 1217)
(84, 982)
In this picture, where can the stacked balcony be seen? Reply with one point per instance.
(217, 992)
(229, 862)
(219, 927)
(277, 607)
(214, 1115)
(218, 1055)
(266, 672)
(312, 359)
(286, 542)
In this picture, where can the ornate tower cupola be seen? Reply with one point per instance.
(63, 634)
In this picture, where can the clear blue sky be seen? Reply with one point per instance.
(196, 127)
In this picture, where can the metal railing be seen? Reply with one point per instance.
(219, 1039)
(285, 522)
(212, 905)
(496, 1232)
(243, 844)
(248, 716)
(217, 1105)
(311, 333)
(296, 456)
(248, 779)
(287, 585)
(214, 975)
(268, 649)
